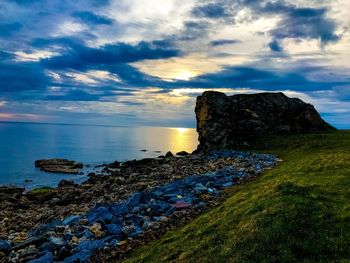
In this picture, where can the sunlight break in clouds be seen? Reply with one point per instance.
(127, 60)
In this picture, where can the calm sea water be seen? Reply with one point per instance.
(23, 143)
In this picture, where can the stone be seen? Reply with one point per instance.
(4, 245)
(70, 219)
(182, 205)
(57, 241)
(114, 165)
(96, 229)
(114, 229)
(200, 188)
(182, 153)
(224, 122)
(59, 166)
(12, 191)
(67, 183)
(169, 154)
(47, 257)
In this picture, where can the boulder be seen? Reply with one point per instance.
(169, 154)
(59, 166)
(226, 121)
(182, 153)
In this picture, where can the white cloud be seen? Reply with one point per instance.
(35, 55)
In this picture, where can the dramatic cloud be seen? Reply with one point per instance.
(211, 10)
(144, 64)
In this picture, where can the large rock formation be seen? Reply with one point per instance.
(226, 121)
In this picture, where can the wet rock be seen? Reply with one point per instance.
(59, 166)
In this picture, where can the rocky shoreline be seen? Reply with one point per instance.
(111, 213)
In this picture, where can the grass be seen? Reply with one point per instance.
(296, 212)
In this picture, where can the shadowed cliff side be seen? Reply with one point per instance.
(228, 121)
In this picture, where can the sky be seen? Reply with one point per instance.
(144, 62)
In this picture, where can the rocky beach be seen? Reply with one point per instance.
(112, 212)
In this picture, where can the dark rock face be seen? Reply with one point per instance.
(225, 121)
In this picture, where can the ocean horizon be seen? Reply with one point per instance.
(23, 142)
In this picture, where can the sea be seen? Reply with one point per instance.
(23, 143)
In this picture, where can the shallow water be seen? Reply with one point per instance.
(23, 143)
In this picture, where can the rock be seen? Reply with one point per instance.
(182, 205)
(169, 154)
(57, 241)
(145, 197)
(47, 257)
(41, 194)
(12, 191)
(63, 253)
(67, 183)
(223, 122)
(114, 165)
(4, 245)
(59, 166)
(114, 229)
(70, 220)
(182, 153)
(96, 229)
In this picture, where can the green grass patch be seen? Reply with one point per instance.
(296, 212)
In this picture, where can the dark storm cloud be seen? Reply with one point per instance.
(308, 23)
(296, 22)
(260, 79)
(221, 42)
(93, 19)
(80, 56)
(16, 77)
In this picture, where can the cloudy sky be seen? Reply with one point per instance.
(143, 62)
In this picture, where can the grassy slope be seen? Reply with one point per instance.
(298, 211)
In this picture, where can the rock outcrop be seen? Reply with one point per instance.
(227, 121)
(59, 166)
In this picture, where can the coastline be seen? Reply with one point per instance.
(20, 217)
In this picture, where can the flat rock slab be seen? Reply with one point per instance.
(59, 166)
